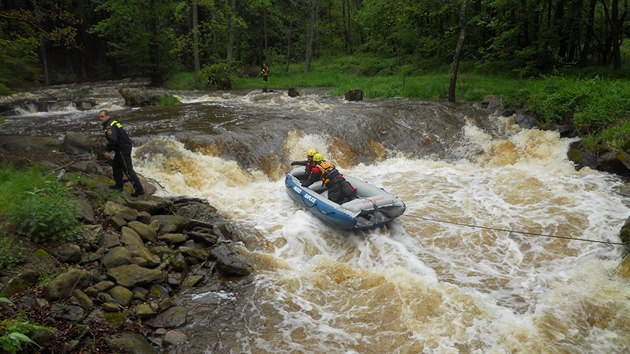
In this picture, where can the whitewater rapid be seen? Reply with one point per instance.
(420, 285)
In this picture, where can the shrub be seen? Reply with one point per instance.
(168, 100)
(8, 256)
(37, 205)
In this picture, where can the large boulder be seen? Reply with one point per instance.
(62, 286)
(131, 275)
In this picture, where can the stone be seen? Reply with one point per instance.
(130, 343)
(110, 240)
(103, 285)
(19, 283)
(115, 257)
(174, 338)
(126, 213)
(171, 318)
(146, 232)
(151, 206)
(62, 286)
(67, 312)
(83, 299)
(229, 262)
(68, 252)
(173, 238)
(111, 307)
(116, 221)
(178, 222)
(192, 281)
(85, 211)
(144, 311)
(132, 275)
(121, 295)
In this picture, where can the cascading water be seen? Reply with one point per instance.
(426, 282)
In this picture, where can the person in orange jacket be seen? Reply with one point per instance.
(339, 190)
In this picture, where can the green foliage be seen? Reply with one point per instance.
(216, 76)
(182, 81)
(14, 334)
(9, 257)
(37, 205)
(168, 100)
(4, 91)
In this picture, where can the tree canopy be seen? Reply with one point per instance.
(52, 41)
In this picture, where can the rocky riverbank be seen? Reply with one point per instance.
(115, 289)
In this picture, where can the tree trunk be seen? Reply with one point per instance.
(310, 35)
(288, 54)
(458, 50)
(230, 30)
(195, 33)
(590, 32)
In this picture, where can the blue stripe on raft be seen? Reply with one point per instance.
(325, 210)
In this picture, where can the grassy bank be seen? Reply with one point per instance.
(595, 100)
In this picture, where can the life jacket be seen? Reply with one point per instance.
(310, 165)
(329, 172)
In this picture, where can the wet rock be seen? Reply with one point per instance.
(206, 237)
(138, 97)
(157, 291)
(171, 223)
(194, 255)
(144, 311)
(85, 211)
(354, 95)
(90, 235)
(492, 103)
(62, 286)
(293, 92)
(126, 213)
(151, 206)
(146, 232)
(178, 263)
(174, 338)
(174, 279)
(173, 238)
(82, 299)
(19, 283)
(109, 240)
(624, 234)
(617, 162)
(229, 262)
(117, 221)
(103, 285)
(130, 343)
(116, 319)
(171, 318)
(144, 217)
(69, 252)
(121, 295)
(43, 260)
(76, 144)
(192, 281)
(132, 275)
(115, 257)
(67, 312)
(141, 254)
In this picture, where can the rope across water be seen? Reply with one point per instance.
(523, 232)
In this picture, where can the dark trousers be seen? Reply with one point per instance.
(341, 191)
(122, 166)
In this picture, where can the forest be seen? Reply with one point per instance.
(45, 42)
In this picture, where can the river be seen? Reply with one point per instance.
(446, 277)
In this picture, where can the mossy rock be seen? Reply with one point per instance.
(115, 318)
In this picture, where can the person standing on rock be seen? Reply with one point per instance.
(119, 143)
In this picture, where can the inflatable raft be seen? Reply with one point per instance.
(372, 208)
